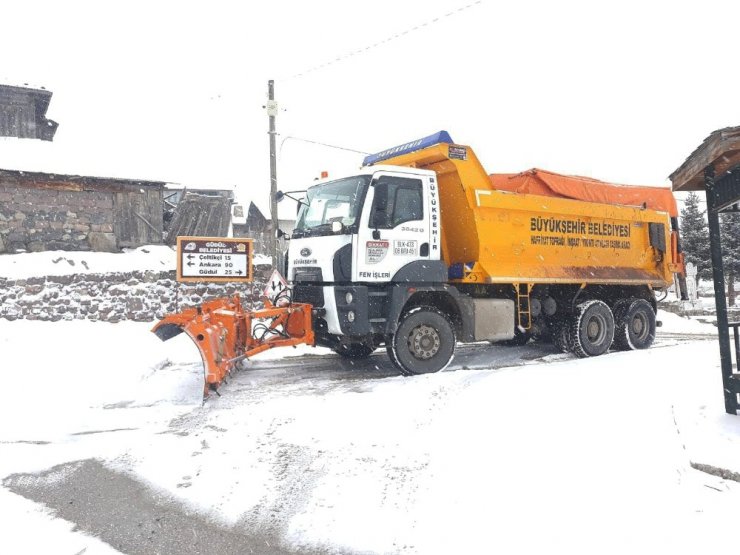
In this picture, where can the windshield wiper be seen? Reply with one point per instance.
(320, 228)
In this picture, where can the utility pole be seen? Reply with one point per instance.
(272, 110)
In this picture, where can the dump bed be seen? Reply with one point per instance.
(495, 236)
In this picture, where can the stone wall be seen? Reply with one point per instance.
(36, 219)
(139, 296)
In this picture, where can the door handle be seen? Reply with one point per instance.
(424, 249)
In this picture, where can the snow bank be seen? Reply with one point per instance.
(675, 324)
(62, 263)
(136, 285)
(60, 371)
(155, 258)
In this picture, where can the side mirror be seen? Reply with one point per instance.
(282, 235)
(379, 219)
(279, 195)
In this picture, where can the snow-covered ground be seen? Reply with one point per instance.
(157, 258)
(541, 452)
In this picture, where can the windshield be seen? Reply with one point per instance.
(336, 201)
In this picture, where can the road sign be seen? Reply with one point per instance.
(214, 259)
(275, 285)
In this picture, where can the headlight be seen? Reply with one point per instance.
(351, 316)
(348, 297)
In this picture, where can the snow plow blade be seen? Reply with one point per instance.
(225, 333)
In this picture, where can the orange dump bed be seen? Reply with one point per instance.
(541, 182)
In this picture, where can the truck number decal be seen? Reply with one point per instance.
(405, 248)
(375, 251)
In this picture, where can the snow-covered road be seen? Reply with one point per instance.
(515, 450)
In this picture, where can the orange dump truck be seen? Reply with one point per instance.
(421, 249)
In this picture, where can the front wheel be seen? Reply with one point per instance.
(424, 342)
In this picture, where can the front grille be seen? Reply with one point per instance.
(307, 274)
(312, 294)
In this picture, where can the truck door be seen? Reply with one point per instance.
(395, 226)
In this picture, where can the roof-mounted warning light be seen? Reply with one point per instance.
(437, 138)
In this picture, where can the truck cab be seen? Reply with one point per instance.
(383, 216)
(354, 238)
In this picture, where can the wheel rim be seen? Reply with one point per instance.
(596, 329)
(640, 327)
(424, 342)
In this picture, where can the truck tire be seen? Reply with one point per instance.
(424, 342)
(591, 329)
(354, 350)
(392, 355)
(619, 310)
(634, 324)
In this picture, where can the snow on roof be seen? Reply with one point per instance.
(4, 82)
(84, 179)
(32, 156)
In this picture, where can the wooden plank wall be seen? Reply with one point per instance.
(17, 115)
(199, 215)
(138, 217)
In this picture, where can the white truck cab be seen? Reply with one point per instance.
(355, 237)
(388, 215)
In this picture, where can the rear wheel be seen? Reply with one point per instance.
(423, 343)
(591, 329)
(354, 350)
(634, 325)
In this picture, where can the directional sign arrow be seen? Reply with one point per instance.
(191, 263)
(190, 256)
(239, 272)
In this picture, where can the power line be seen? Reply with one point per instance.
(384, 41)
(319, 143)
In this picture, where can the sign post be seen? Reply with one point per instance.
(216, 259)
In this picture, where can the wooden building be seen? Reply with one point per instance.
(46, 211)
(23, 113)
(197, 212)
(259, 227)
(714, 168)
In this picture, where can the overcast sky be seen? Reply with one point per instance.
(621, 91)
